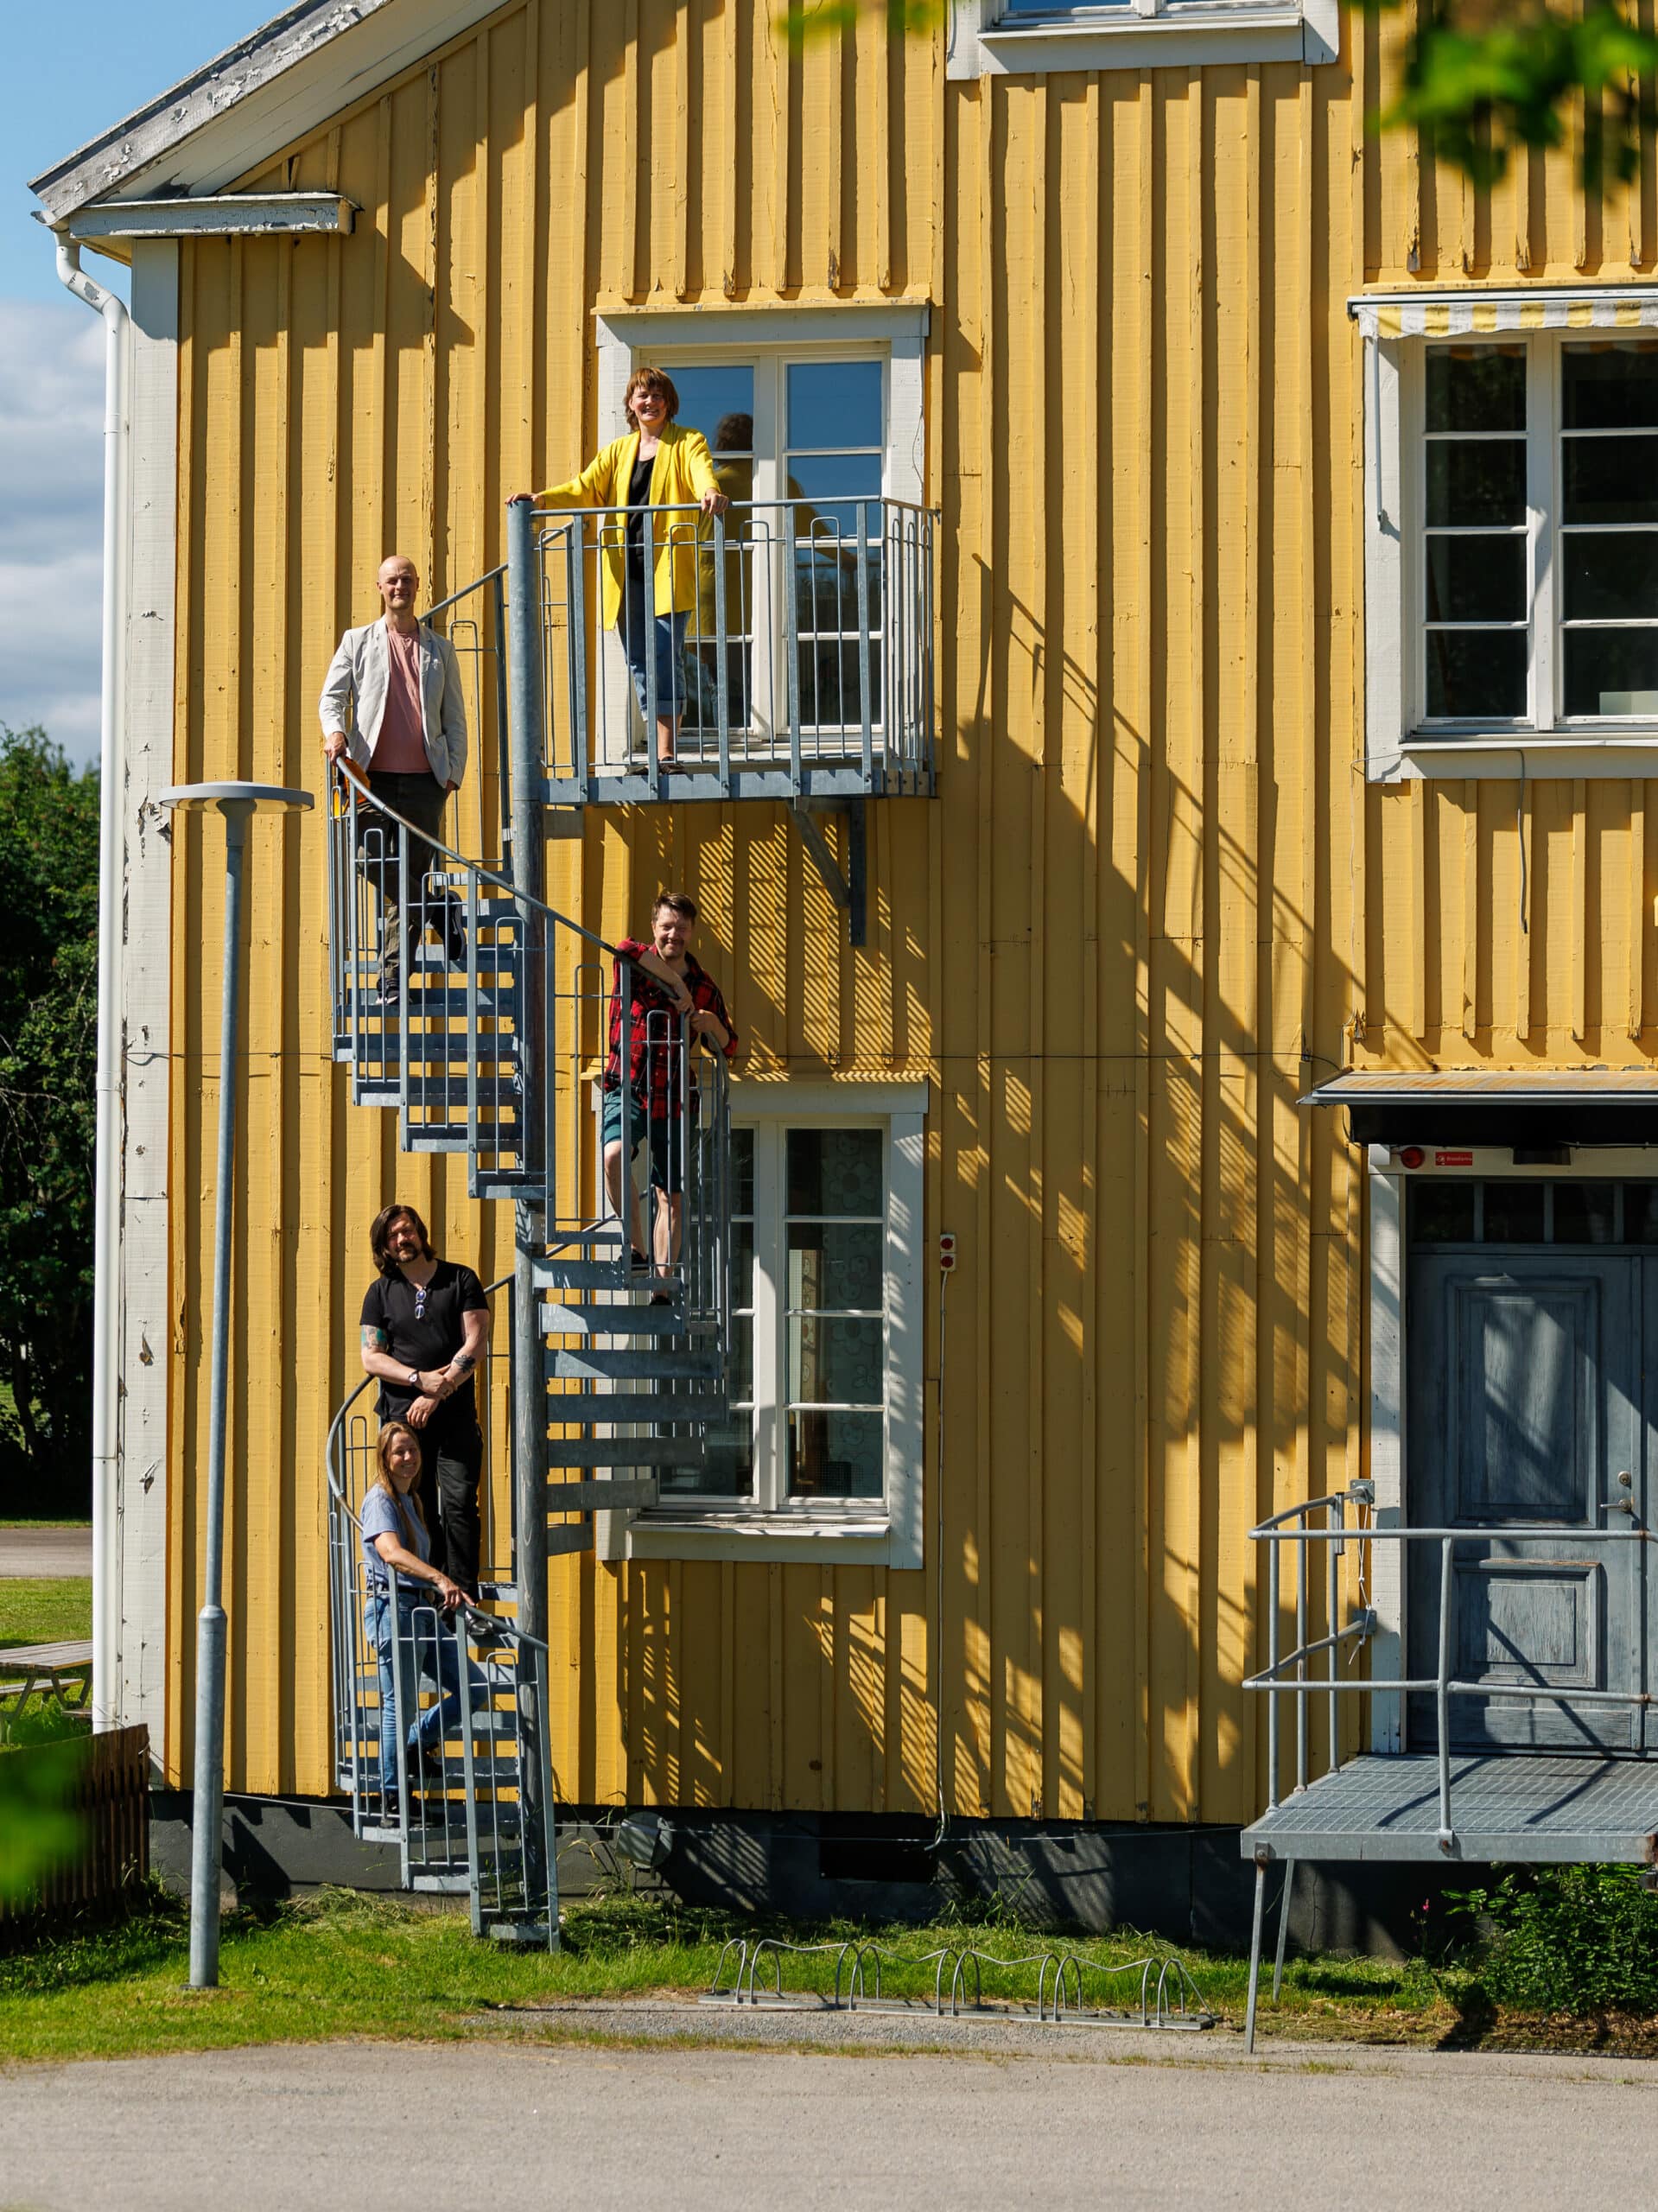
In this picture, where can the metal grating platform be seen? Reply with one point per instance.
(1507, 1806)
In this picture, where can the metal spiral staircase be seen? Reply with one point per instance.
(612, 1373)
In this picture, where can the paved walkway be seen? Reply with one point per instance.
(43, 1554)
(709, 2130)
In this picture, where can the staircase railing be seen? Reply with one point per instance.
(804, 662)
(463, 1829)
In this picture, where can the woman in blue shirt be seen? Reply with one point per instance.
(395, 1536)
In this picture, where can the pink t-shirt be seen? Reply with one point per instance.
(401, 750)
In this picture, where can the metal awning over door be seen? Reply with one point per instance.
(1520, 1107)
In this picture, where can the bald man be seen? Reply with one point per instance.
(397, 684)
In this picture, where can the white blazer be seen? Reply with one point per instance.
(357, 682)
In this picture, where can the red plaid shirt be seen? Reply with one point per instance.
(652, 1073)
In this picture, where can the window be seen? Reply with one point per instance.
(808, 1299)
(823, 1441)
(1538, 546)
(1020, 37)
(1461, 1209)
(804, 443)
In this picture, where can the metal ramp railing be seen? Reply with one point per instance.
(491, 1047)
(1411, 1814)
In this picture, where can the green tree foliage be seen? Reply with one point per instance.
(48, 1021)
(1483, 77)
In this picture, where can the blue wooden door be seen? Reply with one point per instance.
(1526, 1387)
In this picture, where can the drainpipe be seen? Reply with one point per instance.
(107, 1544)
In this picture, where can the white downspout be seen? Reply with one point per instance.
(106, 1232)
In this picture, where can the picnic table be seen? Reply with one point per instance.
(55, 1673)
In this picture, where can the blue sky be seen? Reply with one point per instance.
(74, 70)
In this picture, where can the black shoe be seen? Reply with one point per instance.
(391, 990)
(454, 946)
(425, 1771)
(637, 1260)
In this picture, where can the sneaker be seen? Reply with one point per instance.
(392, 989)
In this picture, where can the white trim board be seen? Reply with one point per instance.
(217, 215)
(144, 1335)
(984, 40)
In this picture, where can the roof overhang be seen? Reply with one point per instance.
(237, 112)
(1524, 1107)
(1471, 312)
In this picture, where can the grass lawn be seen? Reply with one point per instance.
(44, 1612)
(343, 1965)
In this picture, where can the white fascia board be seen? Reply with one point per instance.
(245, 107)
(220, 214)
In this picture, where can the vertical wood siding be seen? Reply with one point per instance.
(1150, 904)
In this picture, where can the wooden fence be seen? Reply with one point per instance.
(110, 1797)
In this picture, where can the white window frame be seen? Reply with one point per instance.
(1400, 743)
(986, 39)
(894, 333)
(883, 1533)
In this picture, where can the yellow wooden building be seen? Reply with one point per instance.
(1224, 803)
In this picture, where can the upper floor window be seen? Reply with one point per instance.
(1537, 578)
(1511, 554)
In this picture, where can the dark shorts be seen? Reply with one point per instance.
(664, 1134)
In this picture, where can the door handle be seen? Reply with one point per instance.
(1625, 1504)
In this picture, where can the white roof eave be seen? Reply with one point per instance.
(242, 108)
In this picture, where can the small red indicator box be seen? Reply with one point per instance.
(1453, 1159)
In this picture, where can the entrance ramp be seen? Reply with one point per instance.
(1452, 1805)
(1546, 1809)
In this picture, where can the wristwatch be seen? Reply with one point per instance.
(413, 1378)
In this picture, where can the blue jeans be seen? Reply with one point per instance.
(668, 641)
(429, 1663)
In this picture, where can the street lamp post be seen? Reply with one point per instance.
(236, 802)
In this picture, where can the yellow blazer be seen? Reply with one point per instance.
(682, 472)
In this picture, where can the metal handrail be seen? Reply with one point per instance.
(1291, 1525)
(357, 778)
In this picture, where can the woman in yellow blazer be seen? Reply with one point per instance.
(657, 465)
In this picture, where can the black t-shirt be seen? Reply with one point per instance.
(423, 1329)
(639, 497)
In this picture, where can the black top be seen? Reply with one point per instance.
(423, 1329)
(638, 495)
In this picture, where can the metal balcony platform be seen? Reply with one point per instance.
(817, 779)
(1544, 1807)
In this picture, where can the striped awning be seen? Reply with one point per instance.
(1469, 313)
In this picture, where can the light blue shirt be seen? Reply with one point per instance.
(381, 1517)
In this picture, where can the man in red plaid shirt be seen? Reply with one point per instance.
(669, 988)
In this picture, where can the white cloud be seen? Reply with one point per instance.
(51, 519)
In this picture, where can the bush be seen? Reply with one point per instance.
(1567, 1938)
